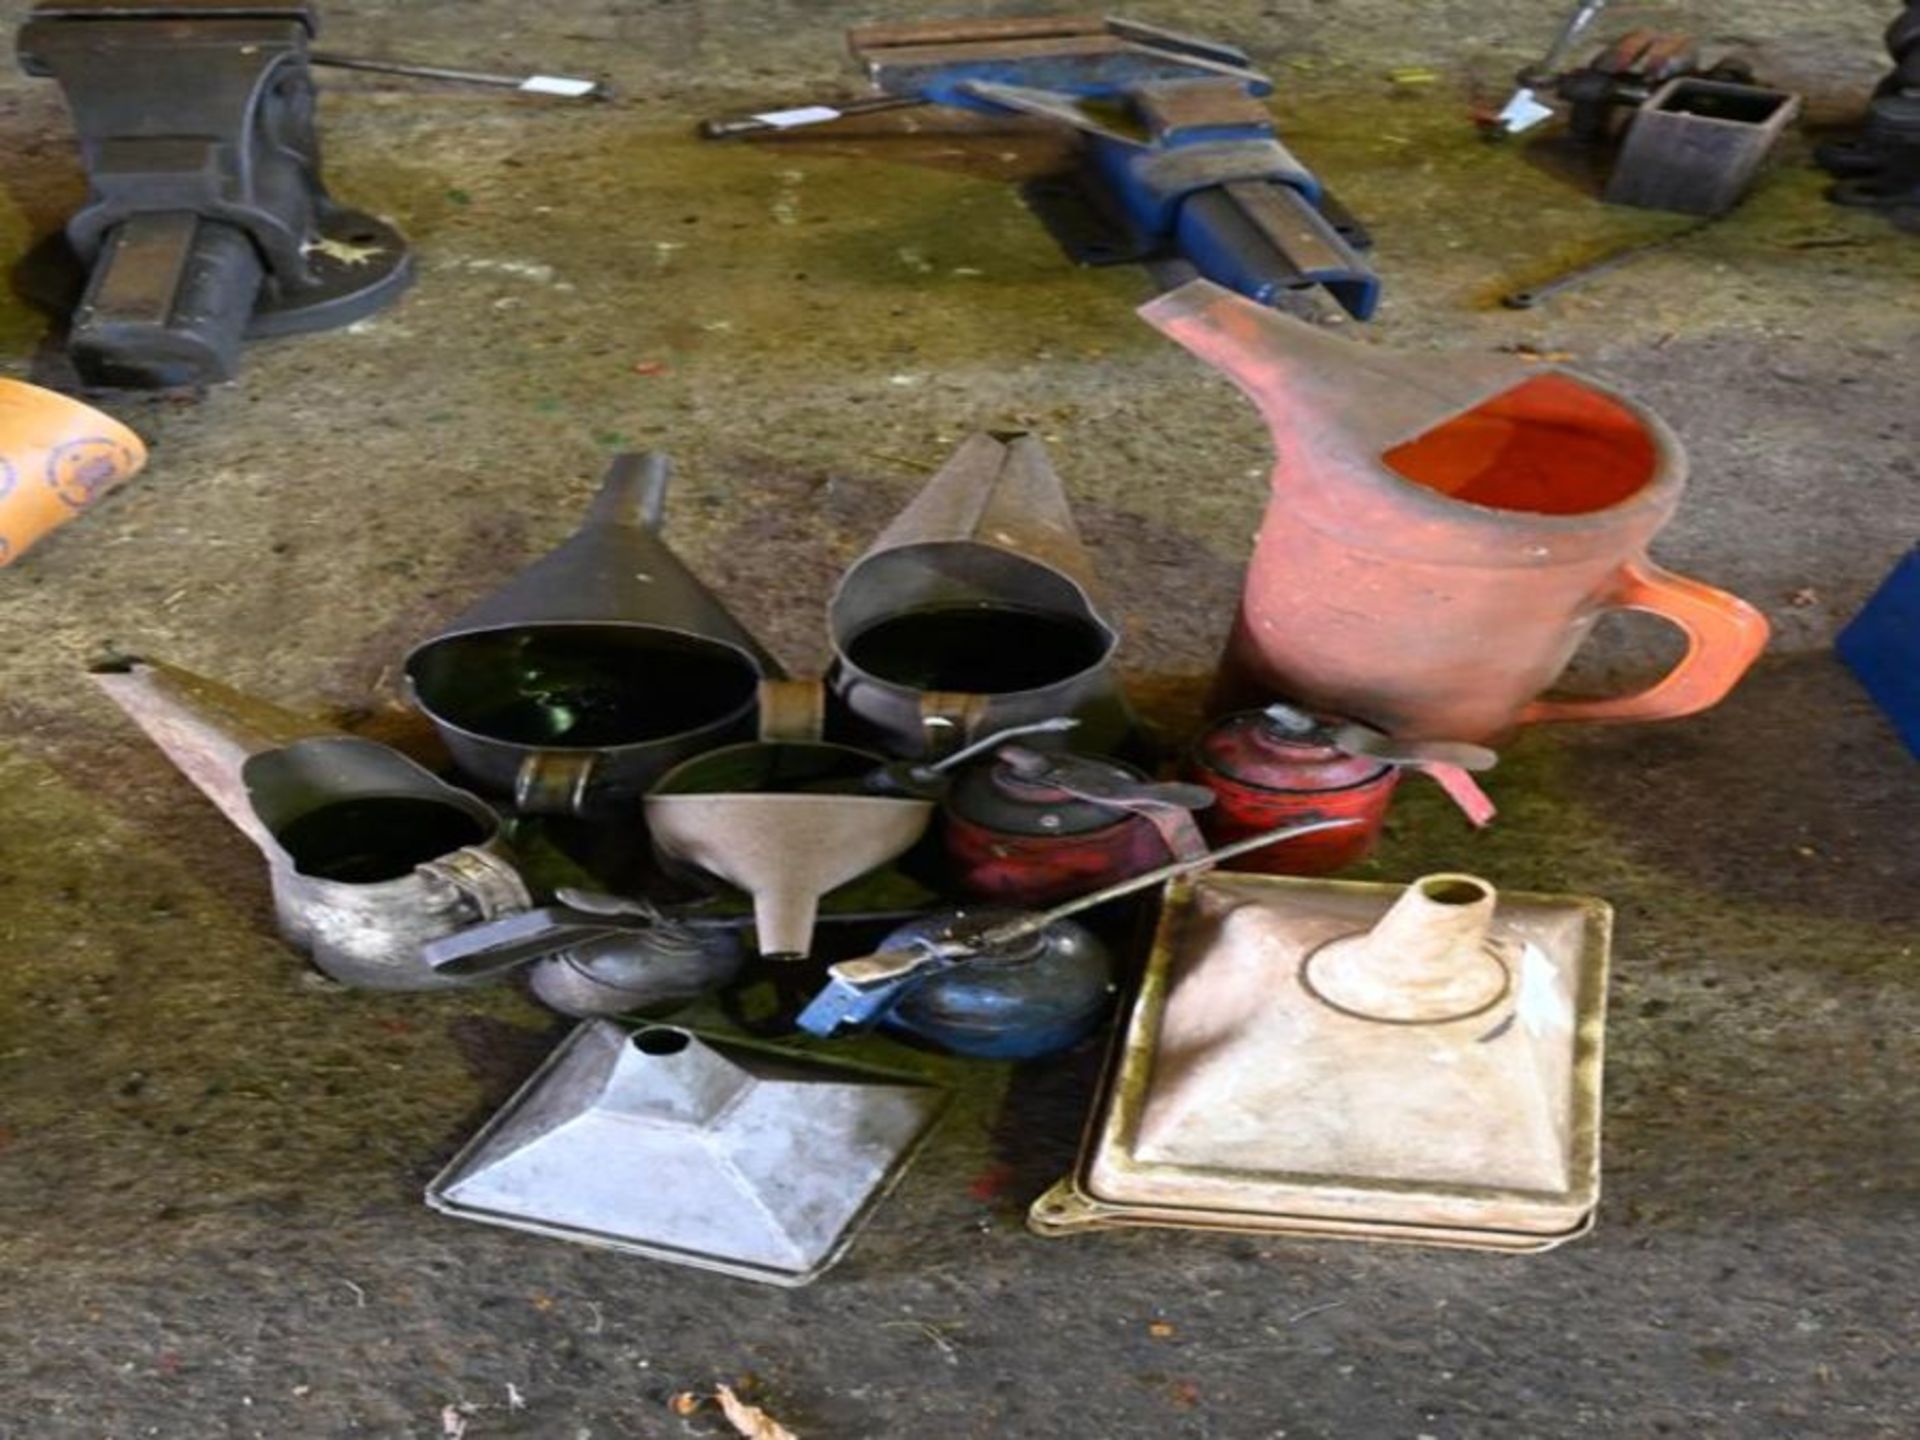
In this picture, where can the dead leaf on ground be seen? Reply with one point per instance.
(750, 1420)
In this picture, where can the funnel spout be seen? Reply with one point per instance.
(207, 729)
(1429, 959)
(634, 491)
(1316, 390)
(783, 918)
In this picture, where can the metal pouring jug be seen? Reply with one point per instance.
(976, 610)
(369, 855)
(1444, 532)
(373, 857)
(596, 669)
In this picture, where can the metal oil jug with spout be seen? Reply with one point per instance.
(1282, 765)
(1444, 532)
(976, 610)
(369, 855)
(1030, 826)
(596, 669)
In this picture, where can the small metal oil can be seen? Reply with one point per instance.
(1030, 826)
(1282, 766)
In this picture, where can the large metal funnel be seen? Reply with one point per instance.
(975, 610)
(785, 821)
(1417, 1063)
(207, 729)
(702, 1152)
(595, 669)
(372, 857)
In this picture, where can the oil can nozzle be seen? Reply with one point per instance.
(858, 992)
(923, 777)
(1448, 762)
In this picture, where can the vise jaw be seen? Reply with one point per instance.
(206, 222)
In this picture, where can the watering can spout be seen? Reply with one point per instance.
(1316, 390)
(207, 729)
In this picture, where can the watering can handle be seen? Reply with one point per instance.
(1725, 635)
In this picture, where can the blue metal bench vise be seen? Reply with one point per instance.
(1178, 158)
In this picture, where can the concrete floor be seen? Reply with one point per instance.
(210, 1167)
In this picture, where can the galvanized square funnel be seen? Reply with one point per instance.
(718, 1154)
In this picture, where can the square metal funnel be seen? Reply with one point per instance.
(1251, 1094)
(715, 1153)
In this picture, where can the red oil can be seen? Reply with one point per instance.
(1032, 827)
(1282, 766)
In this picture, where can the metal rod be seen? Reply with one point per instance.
(800, 116)
(562, 85)
(1577, 24)
(1032, 924)
(1593, 269)
(1051, 726)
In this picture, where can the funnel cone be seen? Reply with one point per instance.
(786, 850)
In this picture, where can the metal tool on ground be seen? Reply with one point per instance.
(563, 87)
(975, 610)
(1692, 135)
(1445, 531)
(859, 992)
(57, 457)
(1177, 157)
(598, 668)
(1417, 1064)
(928, 62)
(1590, 270)
(694, 1150)
(1524, 108)
(206, 222)
(1284, 766)
(1030, 827)
(1878, 167)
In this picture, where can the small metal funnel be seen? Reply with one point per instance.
(207, 729)
(977, 609)
(596, 668)
(785, 821)
(373, 857)
(722, 1155)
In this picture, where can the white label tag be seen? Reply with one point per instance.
(557, 85)
(1523, 112)
(805, 115)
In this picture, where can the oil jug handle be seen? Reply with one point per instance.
(1725, 635)
(792, 710)
(554, 782)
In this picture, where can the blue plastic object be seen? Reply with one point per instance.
(1882, 647)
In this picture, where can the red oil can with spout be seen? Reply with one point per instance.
(1031, 827)
(1284, 766)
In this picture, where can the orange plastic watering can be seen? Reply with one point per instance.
(57, 457)
(1445, 530)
